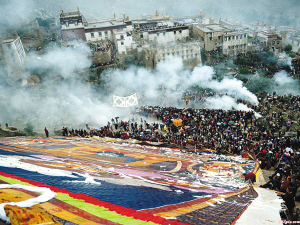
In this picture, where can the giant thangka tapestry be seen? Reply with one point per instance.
(109, 181)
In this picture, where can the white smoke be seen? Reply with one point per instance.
(64, 61)
(65, 99)
(172, 75)
(286, 84)
(227, 103)
(62, 99)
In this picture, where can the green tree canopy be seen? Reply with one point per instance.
(258, 84)
(288, 48)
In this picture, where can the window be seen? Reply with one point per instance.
(241, 37)
(228, 38)
(157, 34)
(173, 53)
(18, 44)
(187, 56)
(210, 38)
(141, 35)
(122, 36)
(122, 43)
(105, 33)
(225, 38)
(12, 55)
(20, 51)
(9, 46)
(163, 54)
(187, 51)
(180, 31)
(174, 31)
(216, 43)
(100, 34)
(219, 37)
(278, 42)
(192, 55)
(164, 33)
(92, 35)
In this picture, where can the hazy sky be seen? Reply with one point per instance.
(270, 11)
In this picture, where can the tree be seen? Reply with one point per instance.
(258, 84)
(244, 70)
(203, 55)
(44, 23)
(288, 48)
(131, 60)
(29, 128)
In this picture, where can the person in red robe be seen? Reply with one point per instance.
(251, 177)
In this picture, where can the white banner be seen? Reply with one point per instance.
(125, 101)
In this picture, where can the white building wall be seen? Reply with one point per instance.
(99, 35)
(295, 42)
(13, 52)
(129, 28)
(163, 37)
(71, 26)
(186, 51)
(234, 43)
(124, 41)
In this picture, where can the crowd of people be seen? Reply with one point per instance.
(296, 65)
(268, 133)
(106, 48)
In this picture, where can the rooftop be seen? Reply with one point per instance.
(70, 14)
(9, 40)
(100, 24)
(212, 28)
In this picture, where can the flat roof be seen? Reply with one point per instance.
(235, 33)
(104, 24)
(212, 28)
(70, 14)
(9, 40)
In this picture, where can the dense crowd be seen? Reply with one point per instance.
(106, 48)
(270, 136)
(296, 65)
